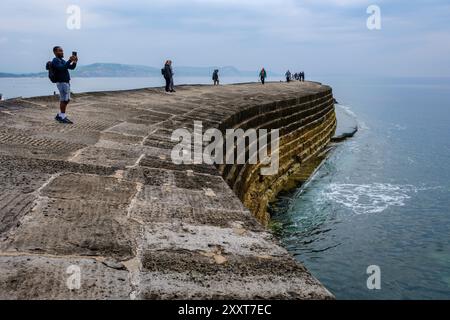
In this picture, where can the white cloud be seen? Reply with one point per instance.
(245, 33)
(342, 3)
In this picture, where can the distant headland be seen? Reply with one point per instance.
(116, 70)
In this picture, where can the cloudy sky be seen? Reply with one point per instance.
(320, 36)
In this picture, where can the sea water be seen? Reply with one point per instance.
(382, 198)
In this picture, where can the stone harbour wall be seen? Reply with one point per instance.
(98, 210)
(306, 125)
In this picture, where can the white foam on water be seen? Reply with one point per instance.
(368, 198)
(400, 127)
(347, 110)
(361, 124)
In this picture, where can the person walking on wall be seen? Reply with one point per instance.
(288, 76)
(215, 77)
(167, 72)
(58, 72)
(263, 75)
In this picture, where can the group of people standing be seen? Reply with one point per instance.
(168, 73)
(299, 76)
(58, 72)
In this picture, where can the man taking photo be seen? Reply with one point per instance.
(60, 70)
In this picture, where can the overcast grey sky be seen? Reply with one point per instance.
(322, 37)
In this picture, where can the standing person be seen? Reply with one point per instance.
(263, 75)
(215, 77)
(302, 76)
(172, 87)
(168, 76)
(59, 69)
(288, 76)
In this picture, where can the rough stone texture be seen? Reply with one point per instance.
(104, 195)
(44, 277)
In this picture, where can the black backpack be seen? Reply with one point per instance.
(51, 72)
(163, 71)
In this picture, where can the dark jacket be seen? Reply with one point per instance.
(168, 73)
(263, 74)
(215, 75)
(61, 69)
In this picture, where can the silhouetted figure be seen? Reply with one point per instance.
(168, 76)
(215, 77)
(263, 75)
(302, 76)
(288, 75)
